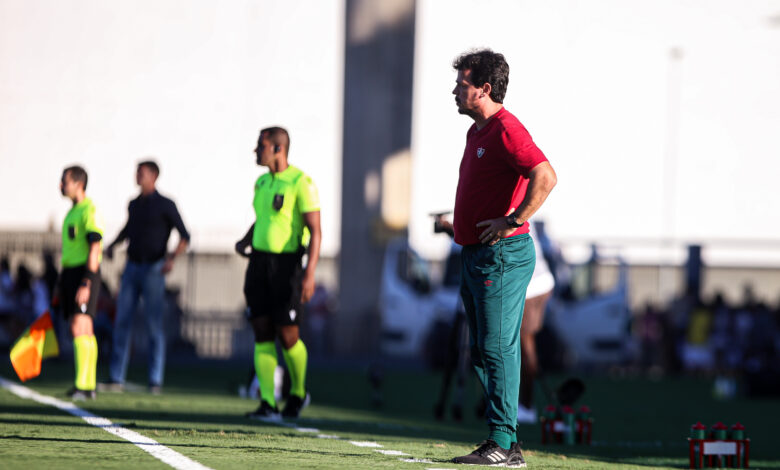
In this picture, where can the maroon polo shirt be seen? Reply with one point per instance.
(493, 175)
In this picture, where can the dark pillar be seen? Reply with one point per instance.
(379, 58)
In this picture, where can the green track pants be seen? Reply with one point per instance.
(493, 285)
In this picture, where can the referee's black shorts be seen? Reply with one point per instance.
(272, 286)
(70, 281)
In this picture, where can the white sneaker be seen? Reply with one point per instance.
(526, 415)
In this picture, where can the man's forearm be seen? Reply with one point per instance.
(180, 248)
(93, 259)
(314, 252)
(539, 187)
(249, 234)
(119, 238)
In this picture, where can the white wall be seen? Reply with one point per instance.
(596, 85)
(190, 83)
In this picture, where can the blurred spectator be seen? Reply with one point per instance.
(104, 318)
(6, 287)
(49, 273)
(649, 330)
(22, 300)
(720, 337)
(319, 310)
(7, 324)
(697, 353)
(30, 296)
(537, 294)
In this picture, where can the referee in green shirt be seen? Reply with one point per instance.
(82, 232)
(287, 210)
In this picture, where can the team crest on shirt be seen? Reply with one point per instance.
(480, 152)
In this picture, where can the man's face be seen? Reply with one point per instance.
(144, 176)
(264, 151)
(467, 96)
(68, 187)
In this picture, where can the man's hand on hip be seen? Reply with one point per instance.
(241, 247)
(495, 230)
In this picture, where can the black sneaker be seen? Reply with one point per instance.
(515, 459)
(488, 453)
(294, 405)
(76, 394)
(265, 412)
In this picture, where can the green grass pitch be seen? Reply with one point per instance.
(639, 423)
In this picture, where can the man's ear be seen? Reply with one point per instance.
(486, 89)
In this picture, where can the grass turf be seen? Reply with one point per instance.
(639, 423)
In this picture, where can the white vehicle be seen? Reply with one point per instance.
(408, 304)
(594, 329)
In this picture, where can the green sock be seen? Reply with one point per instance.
(85, 355)
(93, 360)
(296, 358)
(265, 367)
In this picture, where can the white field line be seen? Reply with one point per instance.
(157, 450)
(391, 452)
(313, 430)
(365, 444)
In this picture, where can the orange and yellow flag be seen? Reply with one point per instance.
(36, 344)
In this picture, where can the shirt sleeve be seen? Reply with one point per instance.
(522, 152)
(175, 220)
(308, 198)
(93, 222)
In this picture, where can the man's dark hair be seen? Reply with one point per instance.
(486, 67)
(277, 136)
(152, 166)
(77, 174)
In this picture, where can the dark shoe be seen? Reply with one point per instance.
(488, 453)
(155, 389)
(111, 387)
(515, 459)
(265, 412)
(76, 394)
(294, 405)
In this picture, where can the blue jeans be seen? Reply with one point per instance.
(140, 280)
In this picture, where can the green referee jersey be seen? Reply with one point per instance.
(81, 220)
(280, 201)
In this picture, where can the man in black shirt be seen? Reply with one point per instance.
(151, 217)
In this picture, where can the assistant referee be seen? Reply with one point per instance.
(82, 234)
(287, 210)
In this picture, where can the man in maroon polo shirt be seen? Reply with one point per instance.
(504, 179)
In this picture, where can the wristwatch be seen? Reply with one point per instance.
(511, 220)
